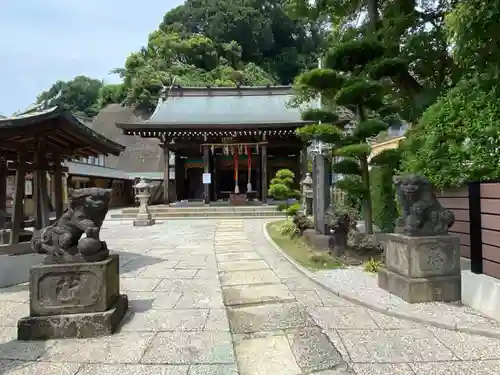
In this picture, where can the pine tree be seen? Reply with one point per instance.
(353, 79)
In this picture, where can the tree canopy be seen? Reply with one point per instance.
(79, 95)
(456, 140)
(206, 43)
(414, 31)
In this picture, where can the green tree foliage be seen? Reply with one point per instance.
(348, 81)
(79, 95)
(281, 188)
(112, 93)
(383, 192)
(265, 34)
(457, 138)
(474, 32)
(193, 60)
(413, 31)
(210, 43)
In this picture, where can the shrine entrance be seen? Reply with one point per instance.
(226, 141)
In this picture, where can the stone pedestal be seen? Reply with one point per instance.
(144, 221)
(74, 300)
(318, 241)
(422, 269)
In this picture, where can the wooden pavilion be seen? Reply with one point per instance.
(228, 142)
(37, 142)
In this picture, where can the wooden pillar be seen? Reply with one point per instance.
(214, 177)
(40, 189)
(263, 154)
(58, 185)
(206, 169)
(3, 184)
(17, 207)
(304, 162)
(166, 177)
(475, 227)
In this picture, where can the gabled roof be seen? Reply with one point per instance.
(58, 129)
(233, 107)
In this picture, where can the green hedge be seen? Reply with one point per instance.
(385, 210)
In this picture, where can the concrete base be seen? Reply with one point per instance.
(144, 222)
(482, 293)
(15, 269)
(412, 290)
(73, 325)
(318, 241)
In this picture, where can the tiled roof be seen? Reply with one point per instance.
(140, 154)
(226, 106)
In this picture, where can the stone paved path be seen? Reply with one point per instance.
(213, 297)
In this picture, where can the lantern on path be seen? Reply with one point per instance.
(143, 216)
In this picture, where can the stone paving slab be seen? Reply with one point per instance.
(246, 294)
(178, 323)
(166, 320)
(265, 276)
(190, 347)
(243, 265)
(268, 317)
(228, 257)
(266, 355)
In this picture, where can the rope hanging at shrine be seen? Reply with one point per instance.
(249, 165)
(225, 147)
(236, 161)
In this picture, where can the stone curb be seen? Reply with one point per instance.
(381, 308)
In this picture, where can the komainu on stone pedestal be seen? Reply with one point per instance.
(422, 214)
(422, 261)
(63, 242)
(76, 292)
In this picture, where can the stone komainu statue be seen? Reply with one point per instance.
(62, 242)
(422, 214)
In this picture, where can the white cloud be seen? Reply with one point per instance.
(43, 41)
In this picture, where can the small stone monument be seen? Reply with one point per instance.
(307, 194)
(75, 292)
(320, 237)
(144, 218)
(422, 261)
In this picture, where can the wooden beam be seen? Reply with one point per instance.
(18, 211)
(12, 165)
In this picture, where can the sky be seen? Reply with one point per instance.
(42, 41)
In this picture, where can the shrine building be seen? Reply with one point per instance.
(224, 143)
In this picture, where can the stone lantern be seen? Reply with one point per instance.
(307, 194)
(144, 216)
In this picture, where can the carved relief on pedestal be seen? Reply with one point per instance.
(68, 289)
(436, 259)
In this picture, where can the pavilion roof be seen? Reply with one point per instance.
(198, 108)
(58, 130)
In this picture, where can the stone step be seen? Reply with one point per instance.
(168, 215)
(163, 209)
(218, 217)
